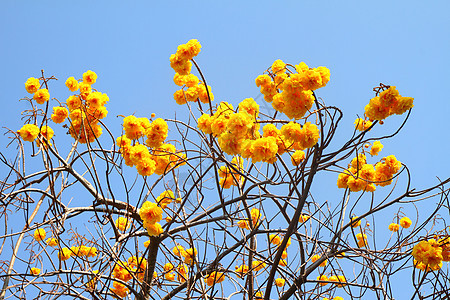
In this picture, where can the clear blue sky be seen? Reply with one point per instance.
(363, 43)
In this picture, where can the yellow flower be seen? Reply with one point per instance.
(39, 234)
(376, 148)
(150, 212)
(169, 276)
(355, 223)
(189, 255)
(146, 166)
(119, 289)
(59, 114)
(316, 257)
(64, 254)
(255, 215)
(123, 223)
(156, 133)
(35, 271)
(41, 96)
(303, 218)
(243, 224)
(182, 271)
(323, 278)
(29, 132)
(52, 242)
(72, 84)
(297, 157)
(361, 124)
(89, 77)
(275, 239)
(179, 251)
(153, 229)
(279, 282)
(32, 85)
(241, 270)
(428, 253)
(85, 90)
(405, 222)
(47, 133)
(214, 277)
(394, 227)
(258, 265)
(165, 198)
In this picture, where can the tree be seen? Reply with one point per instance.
(235, 188)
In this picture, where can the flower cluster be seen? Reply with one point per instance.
(255, 215)
(291, 92)
(429, 254)
(32, 85)
(361, 176)
(82, 250)
(192, 88)
(362, 239)
(151, 214)
(387, 103)
(316, 257)
(86, 108)
(29, 133)
(154, 156)
(229, 176)
(125, 271)
(214, 277)
(340, 279)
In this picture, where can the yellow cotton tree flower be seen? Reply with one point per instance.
(405, 222)
(119, 289)
(59, 114)
(275, 239)
(89, 77)
(355, 223)
(241, 270)
(256, 215)
(322, 278)
(47, 133)
(297, 157)
(150, 212)
(72, 84)
(41, 96)
(303, 218)
(123, 223)
(32, 85)
(64, 254)
(428, 253)
(52, 242)
(394, 227)
(153, 229)
(316, 257)
(39, 234)
(362, 125)
(28, 132)
(376, 148)
(35, 271)
(189, 255)
(280, 282)
(214, 277)
(258, 265)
